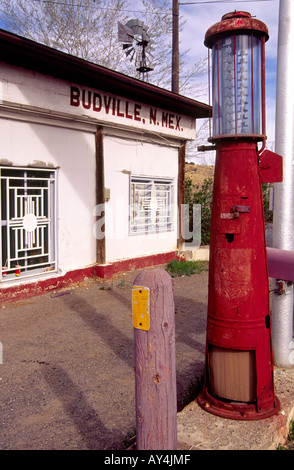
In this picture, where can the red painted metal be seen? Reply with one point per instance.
(238, 303)
(270, 167)
(281, 264)
(237, 21)
(239, 380)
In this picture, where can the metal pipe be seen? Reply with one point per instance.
(280, 264)
(283, 224)
(204, 148)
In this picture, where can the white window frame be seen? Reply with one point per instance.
(151, 205)
(28, 222)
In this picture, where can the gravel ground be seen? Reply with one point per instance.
(67, 372)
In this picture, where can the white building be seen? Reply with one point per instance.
(92, 168)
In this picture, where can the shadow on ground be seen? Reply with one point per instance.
(67, 378)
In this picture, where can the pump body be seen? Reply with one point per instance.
(239, 365)
(239, 380)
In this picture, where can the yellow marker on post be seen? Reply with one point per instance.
(140, 306)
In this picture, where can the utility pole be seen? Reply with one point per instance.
(283, 224)
(175, 48)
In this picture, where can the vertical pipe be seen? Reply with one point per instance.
(252, 85)
(218, 90)
(263, 119)
(100, 198)
(283, 225)
(181, 195)
(235, 84)
(209, 90)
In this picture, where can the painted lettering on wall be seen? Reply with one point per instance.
(124, 109)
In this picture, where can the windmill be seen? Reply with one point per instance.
(135, 41)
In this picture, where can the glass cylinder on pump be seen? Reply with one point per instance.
(237, 77)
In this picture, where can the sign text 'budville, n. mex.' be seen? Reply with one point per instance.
(127, 111)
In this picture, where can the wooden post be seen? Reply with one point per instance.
(175, 48)
(155, 360)
(181, 194)
(100, 200)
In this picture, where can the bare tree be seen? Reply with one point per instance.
(84, 28)
(88, 29)
(157, 15)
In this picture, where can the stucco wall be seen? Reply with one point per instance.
(73, 152)
(122, 158)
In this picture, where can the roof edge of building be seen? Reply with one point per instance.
(23, 52)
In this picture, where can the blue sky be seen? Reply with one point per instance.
(200, 17)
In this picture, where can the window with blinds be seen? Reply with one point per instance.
(151, 202)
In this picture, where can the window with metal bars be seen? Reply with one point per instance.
(28, 222)
(151, 202)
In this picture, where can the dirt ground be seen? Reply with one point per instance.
(67, 372)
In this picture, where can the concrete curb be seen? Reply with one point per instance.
(200, 430)
(197, 254)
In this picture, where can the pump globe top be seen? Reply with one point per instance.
(238, 76)
(235, 22)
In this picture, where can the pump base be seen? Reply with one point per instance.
(233, 410)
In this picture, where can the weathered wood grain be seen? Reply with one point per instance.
(155, 366)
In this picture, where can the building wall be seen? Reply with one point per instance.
(124, 158)
(50, 123)
(73, 153)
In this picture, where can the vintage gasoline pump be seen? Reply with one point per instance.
(239, 366)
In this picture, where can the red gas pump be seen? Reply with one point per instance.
(239, 367)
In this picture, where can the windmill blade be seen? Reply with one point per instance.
(138, 28)
(129, 51)
(125, 34)
(136, 43)
(133, 55)
(134, 24)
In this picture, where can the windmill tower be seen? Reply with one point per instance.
(136, 43)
